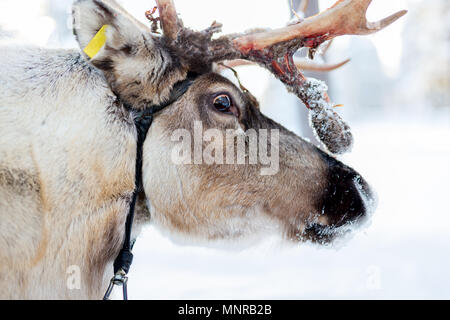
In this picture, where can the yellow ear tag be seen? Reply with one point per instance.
(96, 43)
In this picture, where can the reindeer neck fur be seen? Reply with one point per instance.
(67, 165)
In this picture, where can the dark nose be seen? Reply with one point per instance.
(348, 197)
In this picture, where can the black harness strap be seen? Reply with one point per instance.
(143, 120)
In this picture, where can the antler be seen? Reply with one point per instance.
(170, 23)
(345, 17)
(274, 50)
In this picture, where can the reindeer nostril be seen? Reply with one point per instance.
(345, 199)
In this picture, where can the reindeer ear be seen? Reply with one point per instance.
(136, 65)
(112, 28)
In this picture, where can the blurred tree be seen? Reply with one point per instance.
(424, 77)
(60, 11)
(361, 85)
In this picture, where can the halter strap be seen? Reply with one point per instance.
(143, 120)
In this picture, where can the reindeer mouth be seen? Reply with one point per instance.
(325, 235)
(355, 210)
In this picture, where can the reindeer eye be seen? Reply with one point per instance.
(223, 104)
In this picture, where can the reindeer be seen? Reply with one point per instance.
(69, 145)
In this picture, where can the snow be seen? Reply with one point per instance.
(403, 254)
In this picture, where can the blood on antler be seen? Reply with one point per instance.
(275, 49)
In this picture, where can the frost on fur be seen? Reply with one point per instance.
(328, 126)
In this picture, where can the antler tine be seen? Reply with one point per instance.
(308, 65)
(170, 22)
(302, 64)
(373, 27)
(344, 17)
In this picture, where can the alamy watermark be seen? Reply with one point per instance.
(73, 277)
(233, 147)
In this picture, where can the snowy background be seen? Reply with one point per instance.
(396, 96)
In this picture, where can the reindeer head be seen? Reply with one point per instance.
(199, 189)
